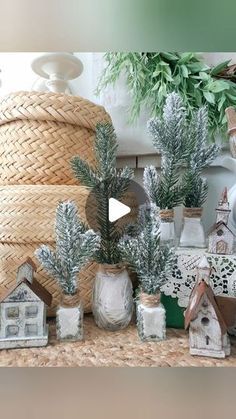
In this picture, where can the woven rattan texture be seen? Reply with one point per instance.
(40, 133)
(12, 255)
(27, 213)
(118, 349)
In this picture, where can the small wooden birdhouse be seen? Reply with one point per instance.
(23, 311)
(221, 238)
(207, 329)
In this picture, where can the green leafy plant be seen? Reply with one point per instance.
(151, 76)
(106, 182)
(143, 252)
(75, 246)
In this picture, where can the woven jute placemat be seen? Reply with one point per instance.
(112, 349)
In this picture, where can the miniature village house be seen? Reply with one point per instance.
(221, 238)
(203, 317)
(23, 311)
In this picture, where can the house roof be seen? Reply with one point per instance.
(216, 225)
(35, 286)
(30, 262)
(200, 290)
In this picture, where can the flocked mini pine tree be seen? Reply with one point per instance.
(75, 246)
(106, 181)
(185, 153)
(152, 263)
(112, 294)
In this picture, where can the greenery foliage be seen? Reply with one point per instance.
(151, 76)
(106, 182)
(143, 252)
(75, 245)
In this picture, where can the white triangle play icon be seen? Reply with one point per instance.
(117, 210)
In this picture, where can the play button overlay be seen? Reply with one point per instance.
(121, 211)
(117, 210)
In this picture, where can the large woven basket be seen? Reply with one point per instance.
(27, 219)
(40, 133)
(27, 213)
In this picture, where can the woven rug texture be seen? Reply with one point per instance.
(101, 348)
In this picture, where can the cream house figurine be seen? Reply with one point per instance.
(23, 311)
(207, 328)
(221, 238)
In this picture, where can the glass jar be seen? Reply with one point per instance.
(167, 227)
(112, 297)
(192, 234)
(151, 318)
(69, 318)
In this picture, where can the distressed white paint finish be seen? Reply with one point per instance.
(192, 234)
(112, 300)
(151, 322)
(205, 336)
(167, 231)
(22, 300)
(70, 323)
(221, 241)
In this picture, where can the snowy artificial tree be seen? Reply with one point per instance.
(112, 294)
(201, 155)
(152, 263)
(75, 246)
(169, 138)
(185, 153)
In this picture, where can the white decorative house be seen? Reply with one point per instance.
(23, 311)
(221, 238)
(203, 317)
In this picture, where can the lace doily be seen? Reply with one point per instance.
(182, 278)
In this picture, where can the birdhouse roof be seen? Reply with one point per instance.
(227, 306)
(203, 263)
(217, 225)
(35, 286)
(200, 290)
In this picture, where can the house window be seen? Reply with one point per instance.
(12, 312)
(207, 340)
(12, 330)
(205, 321)
(31, 311)
(31, 329)
(220, 232)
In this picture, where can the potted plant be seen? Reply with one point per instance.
(75, 246)
(152, 263)
(185, 153)
(199, 156)
(169, 138)
(112, 293)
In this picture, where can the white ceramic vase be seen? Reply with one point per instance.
(192, 234)
(151, 318)
(69, 319)
(112, 297)
(167, 227)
